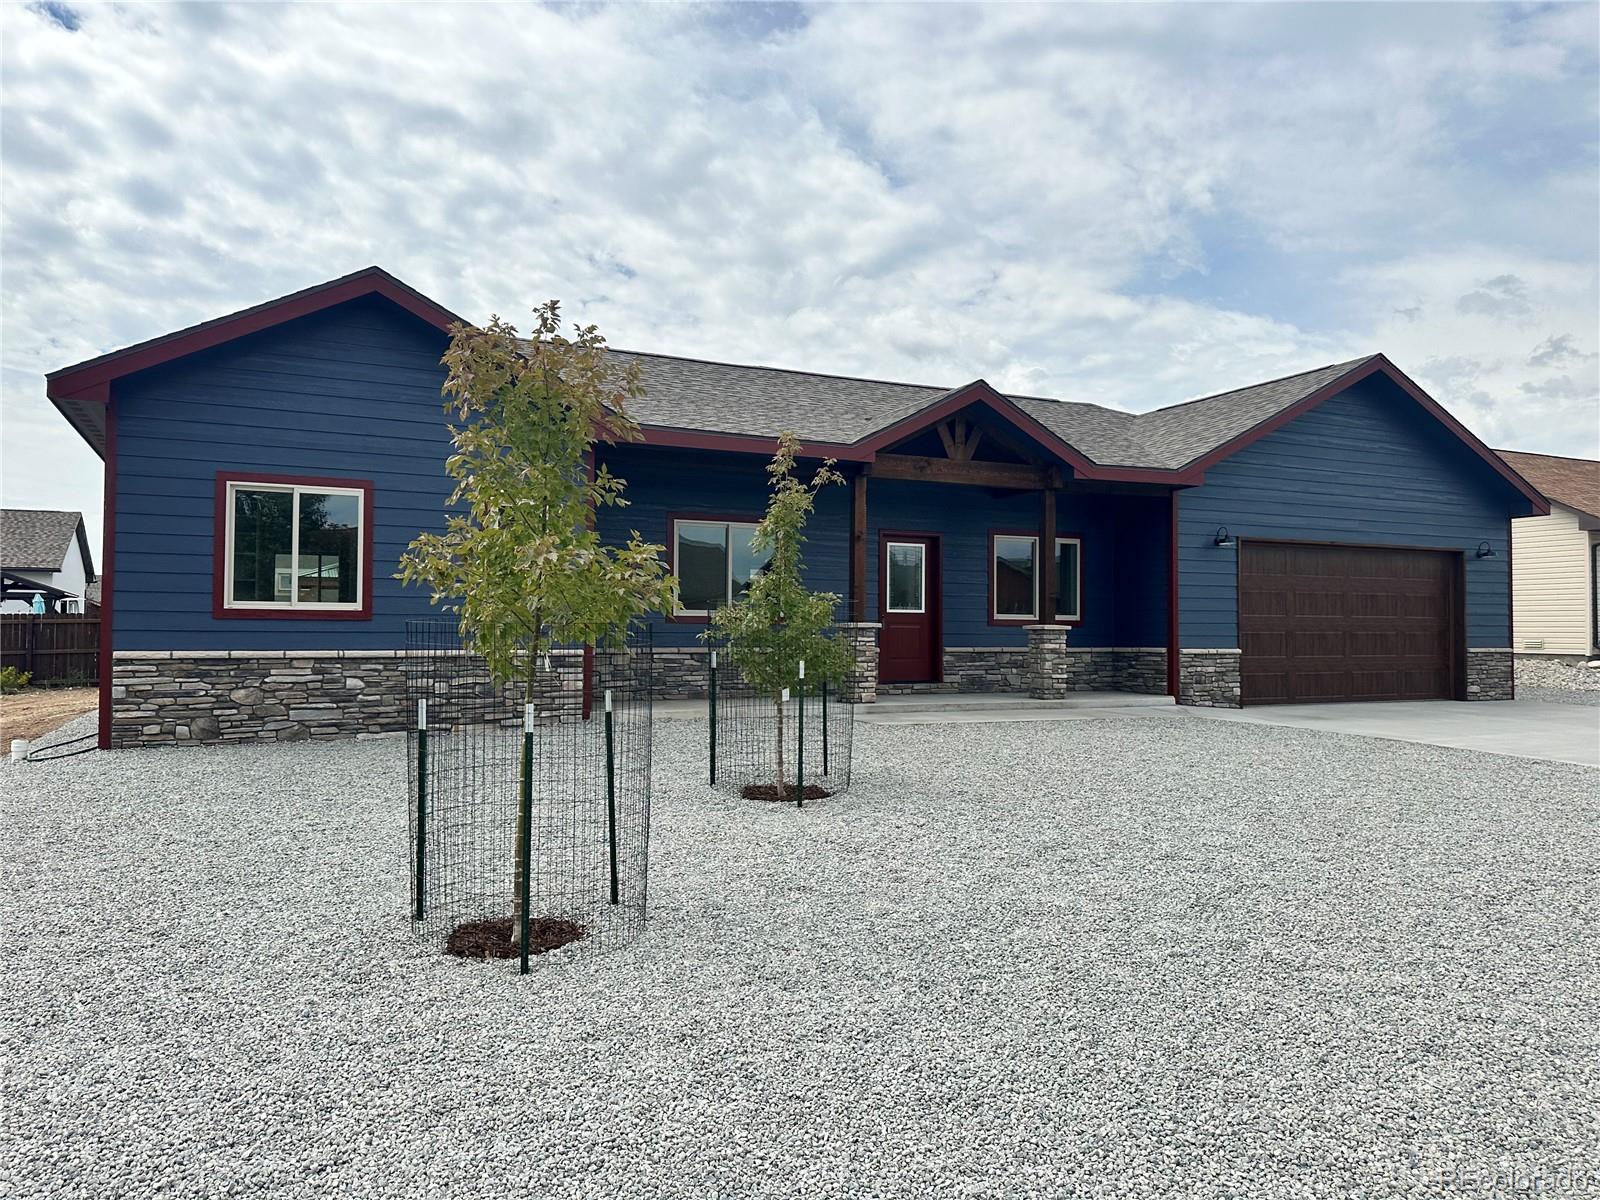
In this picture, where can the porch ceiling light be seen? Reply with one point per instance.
(1485, 550)
(1224, 538)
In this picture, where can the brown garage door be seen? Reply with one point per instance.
(1319, 623)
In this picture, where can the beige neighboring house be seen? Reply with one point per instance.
(1555, 560)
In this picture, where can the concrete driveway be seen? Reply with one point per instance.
(1522, 728)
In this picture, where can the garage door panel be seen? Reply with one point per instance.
(1323, 623)
(1380, 685)
(1372, 643)
(1317, 643)
(1320, 604)
(1266, 643)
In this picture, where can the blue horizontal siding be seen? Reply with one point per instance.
(352, 392)
(965, 517)
(662, 484)
(1118, 550)
(1366, 467)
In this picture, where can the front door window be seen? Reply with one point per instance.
(908, 577)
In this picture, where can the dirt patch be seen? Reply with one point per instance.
(492, 938)
(36, 711)
(785, 794)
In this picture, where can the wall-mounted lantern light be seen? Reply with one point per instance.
(1485, 550)
(1224, 538)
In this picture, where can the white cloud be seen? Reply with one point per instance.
(1129, 204)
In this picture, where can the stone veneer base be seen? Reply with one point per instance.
(1491, 673)
(199, 697)
(1140, 669)
(175, 697)
(1209, 678)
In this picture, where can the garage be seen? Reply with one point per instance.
(1321, 623)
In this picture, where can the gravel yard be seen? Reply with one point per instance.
(1192, 958)
(1556, 682)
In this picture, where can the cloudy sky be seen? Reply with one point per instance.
(1126, 204)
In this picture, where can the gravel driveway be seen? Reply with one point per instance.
(1188, 958)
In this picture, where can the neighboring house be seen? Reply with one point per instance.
(44, 553)
(1334, 535)
(1556, 558)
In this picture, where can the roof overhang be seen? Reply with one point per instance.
(82, 391)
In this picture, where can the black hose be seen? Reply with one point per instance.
(42, 753)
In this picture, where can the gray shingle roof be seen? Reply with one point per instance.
(686, 393)
(712, 397)
(37, 539)
(1175, 436)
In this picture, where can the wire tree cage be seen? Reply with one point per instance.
(530, 800)
(789, 747)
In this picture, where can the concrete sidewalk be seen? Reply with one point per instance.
(970, 708)
(1567, 733)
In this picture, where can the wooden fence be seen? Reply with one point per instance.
(53, 649)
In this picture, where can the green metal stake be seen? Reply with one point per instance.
(422, 803)
(711, 696)
(525, 843)
(611, 795)
(800, 739)
(824, 726)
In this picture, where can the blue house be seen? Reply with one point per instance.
(1333, 535)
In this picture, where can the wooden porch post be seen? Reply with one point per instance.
(1047, 556)
(858, 547)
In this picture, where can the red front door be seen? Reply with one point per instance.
(908, 644)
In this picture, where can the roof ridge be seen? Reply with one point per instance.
(1250, 387)
(1121, 412)
(1541, 454)
(718, 362)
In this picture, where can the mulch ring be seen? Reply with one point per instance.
(491, 938)
(784, 794)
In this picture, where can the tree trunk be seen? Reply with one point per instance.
(523, 781)
(777, 704)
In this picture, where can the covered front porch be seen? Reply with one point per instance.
(969, 556)
(987, 576)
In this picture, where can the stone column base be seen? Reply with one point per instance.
(1491, 673)
(1048, 672)
(861, 682)
(1209, 678)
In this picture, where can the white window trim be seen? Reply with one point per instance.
(1077, 601)
(922, 580)
(994, 579)
(727, 582)
(294, 601)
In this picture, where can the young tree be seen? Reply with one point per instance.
(522, 566)
(778, 623)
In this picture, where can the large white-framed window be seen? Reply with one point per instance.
(715, 562)
(906, 577)
(293, 548)
(1069, 579)
(1014, 577)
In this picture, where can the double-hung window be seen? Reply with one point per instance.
(293, 548)
(1014, 577)
(715, 563)
(1069, 579)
